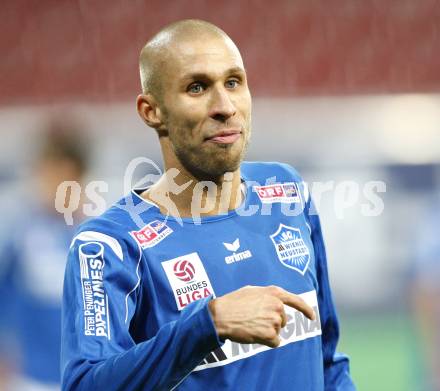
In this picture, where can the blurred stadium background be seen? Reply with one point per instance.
(344, 90)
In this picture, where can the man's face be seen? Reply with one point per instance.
(206, 106)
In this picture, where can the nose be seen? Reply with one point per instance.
(222, 106)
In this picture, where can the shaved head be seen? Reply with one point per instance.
(158, 51)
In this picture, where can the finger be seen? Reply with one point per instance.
(283, 319)
(296, 302)
(269, 337)
(273, 342)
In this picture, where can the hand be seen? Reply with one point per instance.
(255, 314)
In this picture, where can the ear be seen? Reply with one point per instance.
(149, 111)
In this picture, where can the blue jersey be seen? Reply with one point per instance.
(138, 284)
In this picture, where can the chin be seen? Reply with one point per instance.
(218, 168)
(211, 169)
(209, 164)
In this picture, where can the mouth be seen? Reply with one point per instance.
(227, 136)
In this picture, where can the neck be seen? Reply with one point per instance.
(180, 193)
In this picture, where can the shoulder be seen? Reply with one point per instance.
(113, 229)
(260, 171)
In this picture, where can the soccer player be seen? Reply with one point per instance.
(32, 262)
(213, 276)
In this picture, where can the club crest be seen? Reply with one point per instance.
(291, 249)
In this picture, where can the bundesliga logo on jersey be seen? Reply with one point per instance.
(152, 234)
(282, 192)
(184, 270)
(291, 249)
(188, 279)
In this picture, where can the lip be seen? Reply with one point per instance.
(227, 136)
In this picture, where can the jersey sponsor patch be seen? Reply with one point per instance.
(280, 192)
(188, 279)
(236, 256)
(95, 299)
(152, 234)
(298, 328)
(291, 249)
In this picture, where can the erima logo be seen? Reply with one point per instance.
(235, 257)
(233, 246)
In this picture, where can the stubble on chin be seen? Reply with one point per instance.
(209, 166)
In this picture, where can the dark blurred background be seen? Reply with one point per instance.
(346, 91)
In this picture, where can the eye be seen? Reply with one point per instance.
(232, 83)
(196, 88)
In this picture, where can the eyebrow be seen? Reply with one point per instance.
(203, 75)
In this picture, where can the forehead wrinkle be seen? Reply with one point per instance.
(198, 47)
(197, 59)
